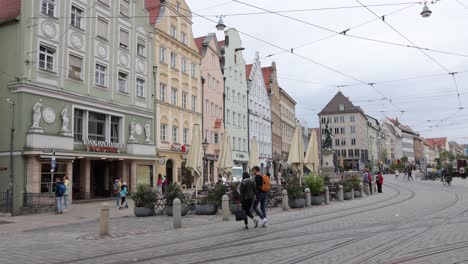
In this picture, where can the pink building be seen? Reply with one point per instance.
(213, 105)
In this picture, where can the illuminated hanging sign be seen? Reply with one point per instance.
(103, 146)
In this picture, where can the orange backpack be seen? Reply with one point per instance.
(265, 183)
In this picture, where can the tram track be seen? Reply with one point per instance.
(229, 243)
(431, 251)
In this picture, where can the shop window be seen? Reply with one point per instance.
(97, 126)
(144, 175)
(115, 127)
(48, 178)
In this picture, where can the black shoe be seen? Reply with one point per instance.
(246, 227)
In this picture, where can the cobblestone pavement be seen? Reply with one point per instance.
(411, 222)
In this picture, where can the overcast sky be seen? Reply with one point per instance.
(421, 103)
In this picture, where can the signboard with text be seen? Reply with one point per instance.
(103, 146)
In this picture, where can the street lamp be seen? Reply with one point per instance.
(426, 12)
(221, 26)
(205, 169)
(12, 138)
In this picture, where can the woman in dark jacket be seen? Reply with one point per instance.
(246, 198)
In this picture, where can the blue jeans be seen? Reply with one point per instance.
(260, 198)
(66, 201)
(59, 204)
(117, 199)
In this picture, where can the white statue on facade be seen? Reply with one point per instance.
(36, 118)
(65, 119)
(147, 133)
(132, 130)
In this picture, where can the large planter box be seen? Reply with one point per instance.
(357, 194)
(348, 195)
(297, 203)
(316, 200)
(143, 211)
(184, 210)
(206, 209)
(234, 207)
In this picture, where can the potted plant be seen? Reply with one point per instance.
(174, 191)
(234, 199)
(209, 205)
(145, 200)
(295, 193)
(356, 186)
(348, 188)
(316, 185)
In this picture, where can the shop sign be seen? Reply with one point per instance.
(103, 146)
(176, 147)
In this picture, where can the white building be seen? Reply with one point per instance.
(259, 113)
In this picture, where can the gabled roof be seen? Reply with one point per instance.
(333, 107)
(199, 43)
(401, 126)
(154, 9)
(248, 69)
(437, 142)
(10, 10)
(267, 71)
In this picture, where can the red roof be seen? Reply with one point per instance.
(10, 10)
(221, 43)
(248, 69)
(199, 43)
(267, 77)
(154, 8)
(439, 142)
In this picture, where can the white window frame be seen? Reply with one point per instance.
(51, 5)
(163, 132)
(173, 60)
(184, 100)
(183, 38)
(162, 92)
(140, 88)
(51, 52)
(122, 45)
(193, 70)
(141, 49)
(106, 34)
(98, 74)
(80, 78)
(122, 8)
(173, 31)
(184, 65)
(185, 135)
(175, 134)
(173, 96)
(194, 103)
(162, 54)
(126, 82)
(76, 17)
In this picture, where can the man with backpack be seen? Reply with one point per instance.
(117, 186)
(59, 192)
(262, 187)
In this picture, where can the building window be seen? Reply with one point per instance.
(337, 131)
(140, 87)
(244, 121)
(183, 38)
(337, 142)
(96, 126)
(342, 130)
(173, 60)
(353, 129)
(343, 153)
(244, 145)
(234, 119)
(356, 152)
(174, 96)
(185, 135)
(178, 7)
(228, 115)
(162, 54)
(162, 92)
(353, 141)
(184, 100)
(351, 118)
(46, 58)
(173, 32)
(193, 69)
(228, 94)
(174, 134)
(102, 26)
(48, 7)
(123, 82)
(141, 47)
(194, 103)
(76, 16)
(162, 132)
(239, 98)
(335, 119)
(350, 153)
(100, 75)
(240, 120)
(78, 125)
(342, 119)
(75, 67)
(343, 142)
(216, 138)
(234, 143)
(115, 126)
(184, 65)
(125, 8)
(124, 37)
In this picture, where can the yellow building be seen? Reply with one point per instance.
(178, 90)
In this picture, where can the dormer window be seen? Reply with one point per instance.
(342, 107)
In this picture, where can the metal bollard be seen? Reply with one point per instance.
(177, 213)
(340, 193)
(307, 197)
(225, 207)
(104, 220)
(285, 201)
(327, 195)
(361, 189)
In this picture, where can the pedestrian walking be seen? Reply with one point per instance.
(59, 192)
(262, 187)
(410, 174)
(369, 179)
(123, 195)
(379, 180)
(66, 195)
(117, 186)
(247, 193)
(397, 173)
(365, 180)
(160, 183)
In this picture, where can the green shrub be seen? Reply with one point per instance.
(174, 191)
(144, 196)
(356, 181)
(315, 184)
(348, 184)
(215, 195)
(295, 190)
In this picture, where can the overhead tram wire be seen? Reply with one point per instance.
(346, 34)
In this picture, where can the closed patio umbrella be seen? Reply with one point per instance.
(225, 162)
(311, 160)
(195, 157)
(253, 157)
(296, 153)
